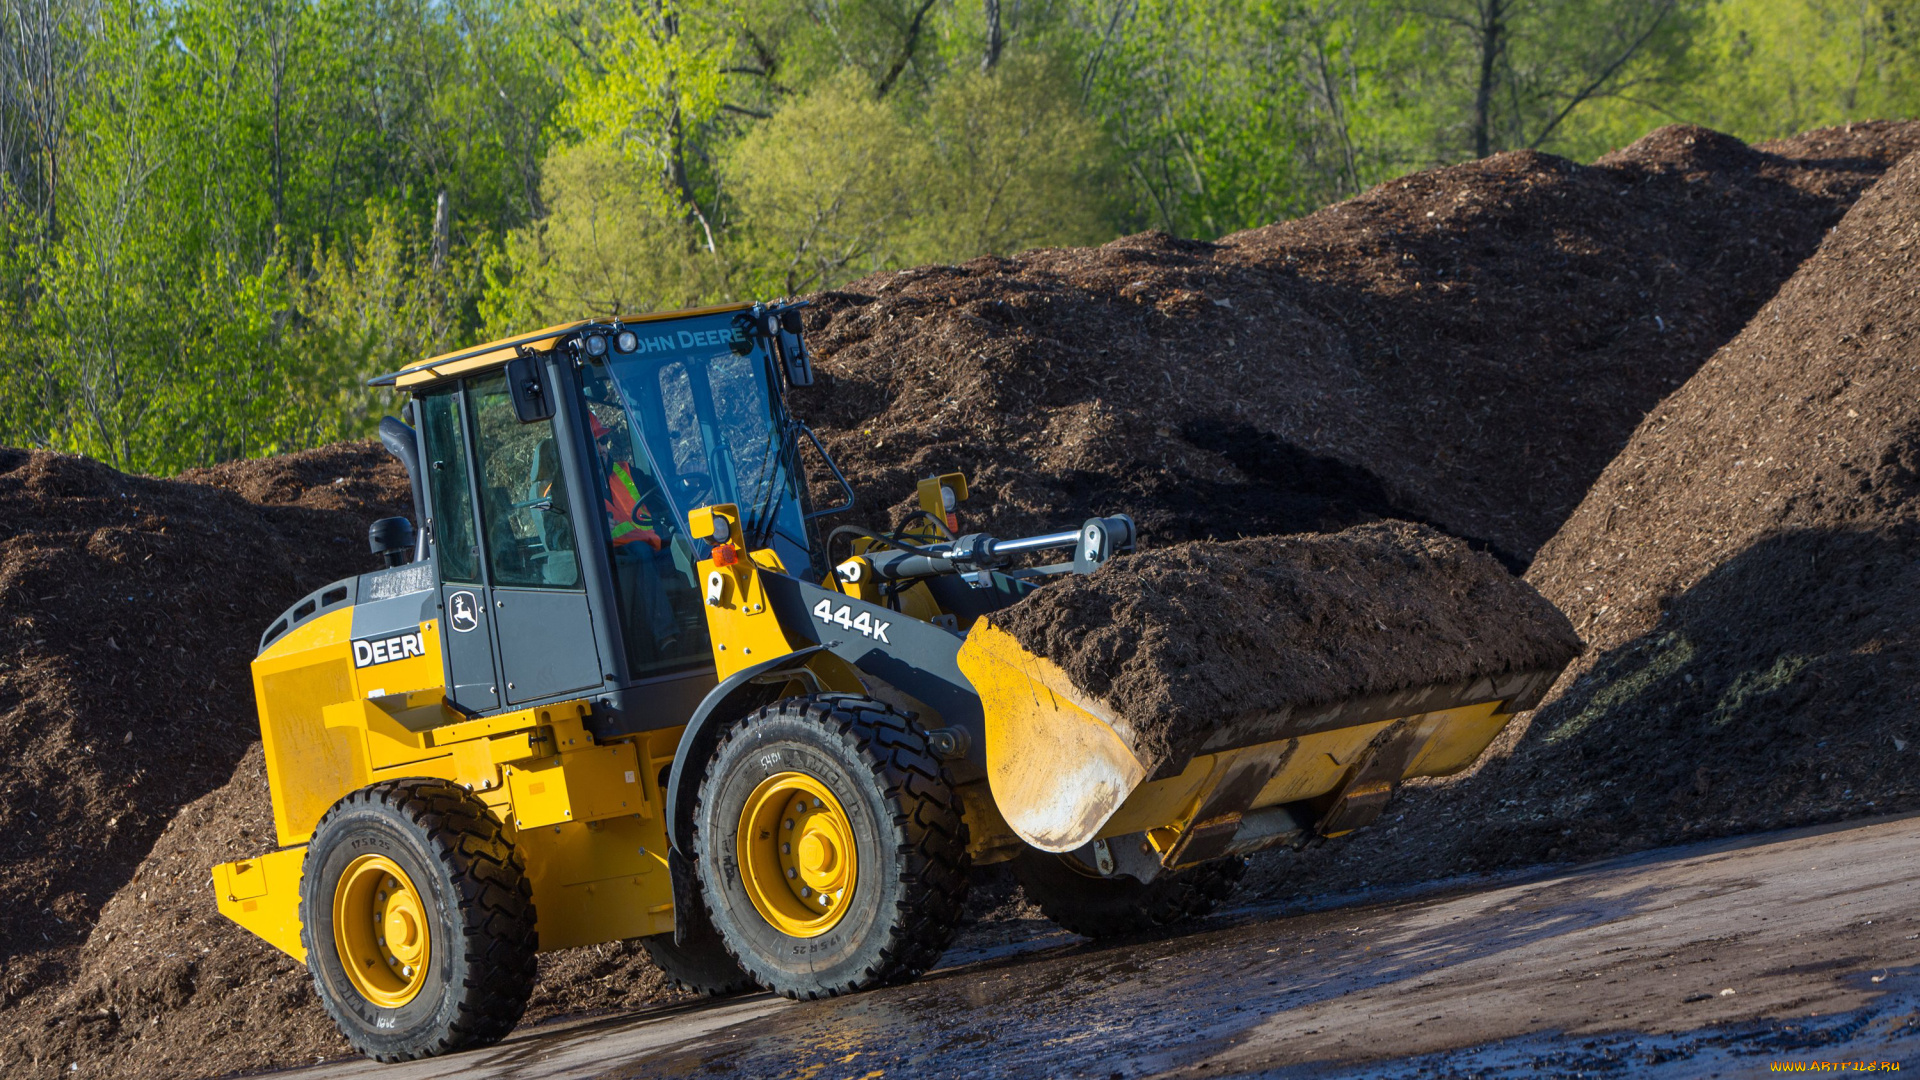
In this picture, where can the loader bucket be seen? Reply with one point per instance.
(1182, 693)
(1062, 766)
(1058, 763)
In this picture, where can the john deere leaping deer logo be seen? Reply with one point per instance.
(463, 611)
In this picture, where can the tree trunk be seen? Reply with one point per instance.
(442, 231)
(1492, 40)
(278, 47)
(908, 46)
(994, 38)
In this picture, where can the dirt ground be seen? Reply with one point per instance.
(1183, 640)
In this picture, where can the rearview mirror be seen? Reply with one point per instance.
(793, 350)
(531, 403)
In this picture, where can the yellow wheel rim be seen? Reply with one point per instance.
(381, 931)
(796, 854)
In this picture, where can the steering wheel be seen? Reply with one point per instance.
(647, 492)
(693, 487)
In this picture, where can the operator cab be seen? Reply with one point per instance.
(556, 475)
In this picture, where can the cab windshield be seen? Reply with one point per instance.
(690, 418)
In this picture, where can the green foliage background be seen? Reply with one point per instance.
(218, 218)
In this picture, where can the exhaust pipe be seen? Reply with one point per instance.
(404, 443)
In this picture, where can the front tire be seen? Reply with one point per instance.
(1111, 907)
(418, 922)
(830, 846)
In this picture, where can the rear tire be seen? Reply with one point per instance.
(1098, 907)
(427, 860)
(704, 968)
(854, 783)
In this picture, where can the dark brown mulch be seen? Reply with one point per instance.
(132, 786)
(1180, 641)
(1746, 574)
(132, 607)
(1467, 346)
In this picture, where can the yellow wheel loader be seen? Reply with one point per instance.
(614, 686)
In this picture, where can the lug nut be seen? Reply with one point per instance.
(789, 823)
(786, 849)
(792, 873)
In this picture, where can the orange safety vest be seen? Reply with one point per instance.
(631, 518)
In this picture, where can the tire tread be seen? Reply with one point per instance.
(1101, 910)
(489, 876)
(929, 833)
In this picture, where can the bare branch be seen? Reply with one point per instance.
(907, 48)
(1593, 87)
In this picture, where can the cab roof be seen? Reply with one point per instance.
(496, 353)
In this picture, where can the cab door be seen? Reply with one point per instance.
(536, 596)
(466, 637)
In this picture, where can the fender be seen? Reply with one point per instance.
(722, 705)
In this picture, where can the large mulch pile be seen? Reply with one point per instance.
(1467, 346)
(1746, 573)
(131, 608)
(1184, 640)
(128, 792)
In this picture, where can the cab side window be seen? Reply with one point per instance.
(529, 533)
(453, 540)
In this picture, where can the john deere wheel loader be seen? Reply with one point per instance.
(615, 687)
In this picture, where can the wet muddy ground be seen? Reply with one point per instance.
(1711, 959)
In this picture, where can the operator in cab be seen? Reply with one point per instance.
(627, 511)
(638, 548)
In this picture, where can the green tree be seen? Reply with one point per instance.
(1204, 101)
(1001, 162)
(158, 223)
(371, 305)
(840, 183)
(1511, 73)
(605, 247)
(650, 85)
(822, 189)
(1763, 69)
